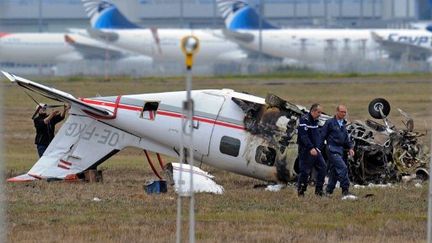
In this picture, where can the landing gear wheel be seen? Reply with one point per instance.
(379, 108)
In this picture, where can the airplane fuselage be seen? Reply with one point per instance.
(36, 48)
(233, 131)
(164, 44)
(220, 137)
(318, 45)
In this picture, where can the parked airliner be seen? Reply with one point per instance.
(310, 45)
(53, 48)
(160, 44)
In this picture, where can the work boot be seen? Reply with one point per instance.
(300, 193)
(345, 192)
(301, 190)
(319, 191)
(347, 195)
(328, 194)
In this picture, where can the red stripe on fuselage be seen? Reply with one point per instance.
(163, 113)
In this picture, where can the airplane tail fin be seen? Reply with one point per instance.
(105, 15)
(75, 149)
(237, 14)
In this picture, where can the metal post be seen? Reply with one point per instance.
(3, 222)
(107, 59)
(181, 14)
(429, 224)
(180, 191)
(260, 31)
(407, 13)
(214, 14)
(325, 13)
(40, 16)
(190, 46)
(190, 150)
(40, 30)
(361, 12)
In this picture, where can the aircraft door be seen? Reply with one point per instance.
(206, 112)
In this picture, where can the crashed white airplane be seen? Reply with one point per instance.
(229, 128)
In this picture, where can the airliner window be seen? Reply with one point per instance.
(265, 155)
(149, 110)
(230, 146)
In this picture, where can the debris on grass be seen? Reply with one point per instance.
(275, 187)
(202, 180)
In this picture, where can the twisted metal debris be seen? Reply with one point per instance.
(383, 152)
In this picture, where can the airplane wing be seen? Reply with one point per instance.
(93, 49)
(82, 143)
(59, 95)
(397, 49)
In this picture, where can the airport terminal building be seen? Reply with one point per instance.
(58, 15)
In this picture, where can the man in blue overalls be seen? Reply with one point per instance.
(338, 141)
(309, 151)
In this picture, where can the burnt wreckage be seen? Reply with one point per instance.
(383, 153)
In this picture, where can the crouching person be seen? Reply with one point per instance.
(309, 152)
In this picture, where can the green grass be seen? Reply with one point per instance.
(66, 212)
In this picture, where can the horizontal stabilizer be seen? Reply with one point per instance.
(93, 49)
(396, 49)
(58, 95)
(238, 36)
(103, 35)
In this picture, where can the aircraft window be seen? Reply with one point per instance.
(265, 155)
(149, 110)
(230, 146)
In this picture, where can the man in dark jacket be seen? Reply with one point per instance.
(45, 126)
(338, 141)
(309, 151)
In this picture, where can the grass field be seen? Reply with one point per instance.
(66, 212)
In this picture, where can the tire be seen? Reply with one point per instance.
(379, 104)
